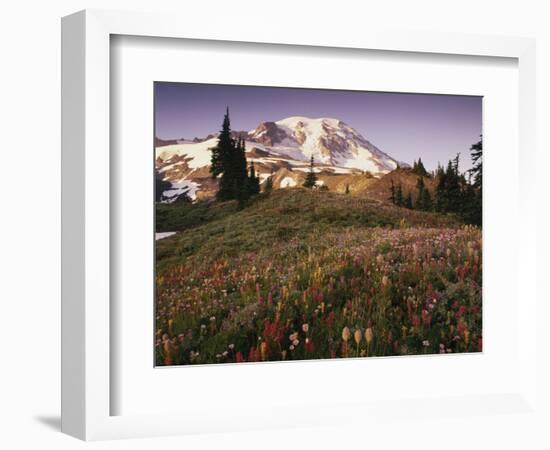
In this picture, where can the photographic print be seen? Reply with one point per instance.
(299, 224)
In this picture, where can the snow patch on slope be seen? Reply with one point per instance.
(181, 187)
(288, 182)
(199, 153)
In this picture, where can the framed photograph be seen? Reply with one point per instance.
(283, 230)
(301, 239)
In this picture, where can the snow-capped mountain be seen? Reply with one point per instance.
(284, 147)
(330, 141)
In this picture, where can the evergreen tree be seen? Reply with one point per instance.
(441, 190)
(427, 201)
(241, 182)
(424, 198)
(409, 201)
(253, 181)
(221, 159)
(419, 169)
(399, 195)
(392, 192)
(474, 193)
(311, 178)
(228, 163)
(476, 152)
(454, 187)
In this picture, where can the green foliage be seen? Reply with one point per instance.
(311, 178)
(399, 196)
(228, 162)
(457, 195)
(474, 193)
(186, 215)
(424, 198)
(253, 181)
(419, 169)
(409, 201)
(476, 152)
(392, 192)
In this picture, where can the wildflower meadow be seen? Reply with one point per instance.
(306, 274)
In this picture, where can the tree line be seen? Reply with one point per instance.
(455, 192)
(237, 180)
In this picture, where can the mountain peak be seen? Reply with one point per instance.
(328, 140)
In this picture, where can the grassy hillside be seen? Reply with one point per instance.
(221, 229)
(303, 274)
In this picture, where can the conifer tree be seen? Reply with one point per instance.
(428, 202)
(420, 195)
(454, 187)
(409, 201)
(441, 190)
(228, 163)
(424, 199)
(311, 178)
(253, 181)
(392, 192)
(476, 152)
(221, 160)
(419, 169)
(240, 172)
(399, 195)
(474, 192)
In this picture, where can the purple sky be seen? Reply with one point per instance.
(405, 126)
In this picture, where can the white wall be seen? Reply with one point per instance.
(29, 187)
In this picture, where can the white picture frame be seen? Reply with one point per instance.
(86, 220)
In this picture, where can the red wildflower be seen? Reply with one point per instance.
(330, 319)
(309, 346)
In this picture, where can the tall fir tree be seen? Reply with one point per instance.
(399, 195)
(240, 171)
(419, 169)
(253, 181)
(474, 193)
(311, 177)
(392, 192)
(228, 163)
(454, 187)
(424, 198)
(441, 190)
(221, 160)
(409, 201)
(476, 153)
